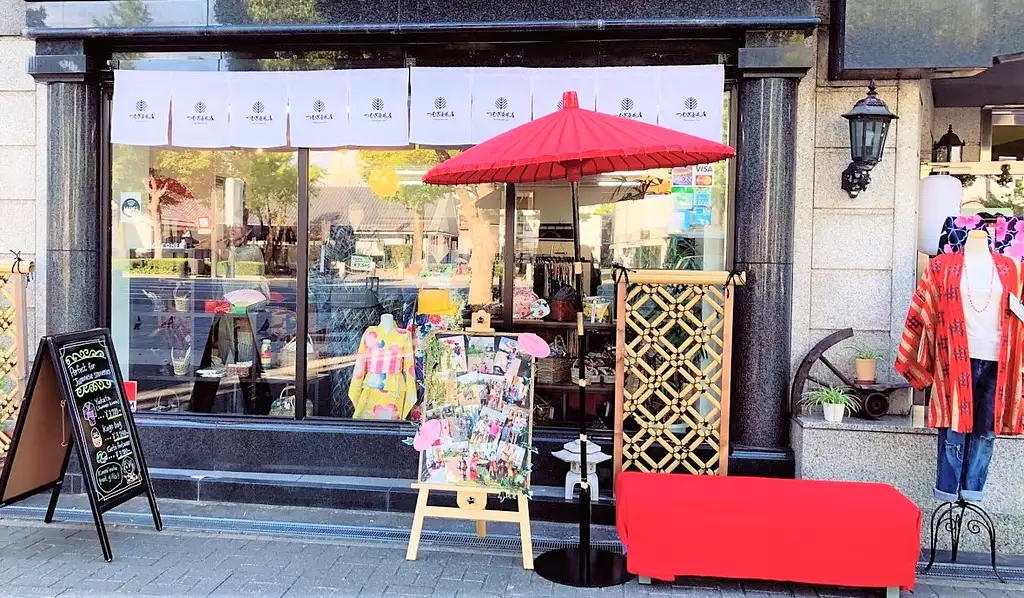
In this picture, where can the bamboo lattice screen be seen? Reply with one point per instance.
(674, 337)
(14, 273)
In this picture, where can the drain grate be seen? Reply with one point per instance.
(321, 531)
(972, 572)
(354, 533)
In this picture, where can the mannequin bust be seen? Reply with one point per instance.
(982, 297)
(387, 322)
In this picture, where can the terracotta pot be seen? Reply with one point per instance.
(866, 371)
(834, 413)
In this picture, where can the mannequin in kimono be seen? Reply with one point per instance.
(981, 295)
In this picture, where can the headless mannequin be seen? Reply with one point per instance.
(387, 322)
(963, 459)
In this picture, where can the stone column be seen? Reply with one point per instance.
(771, 67)
(73, 203)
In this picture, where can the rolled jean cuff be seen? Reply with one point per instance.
(945, 496)
(973, 495)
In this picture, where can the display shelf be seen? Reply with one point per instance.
(569, 387)
(549, 324)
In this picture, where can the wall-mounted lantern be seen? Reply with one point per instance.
(869, 126)
(949, 148)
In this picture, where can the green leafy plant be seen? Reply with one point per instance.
(831, 395)
(865, 352)
(165, 266)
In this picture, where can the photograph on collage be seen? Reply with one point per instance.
(479, 389)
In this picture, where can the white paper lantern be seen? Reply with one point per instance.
(939, 198)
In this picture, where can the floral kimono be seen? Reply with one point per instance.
(934, 352)
(384, 381)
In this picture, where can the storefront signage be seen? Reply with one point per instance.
(629, 92)
(501, 101)
(440, 106)
(259, 110)
(199, 110)
(75, 398)
(450, 107)
(141, 108)
(319, 108)
(691, 100)
(378, 101)
(550, 84)
(131, 206)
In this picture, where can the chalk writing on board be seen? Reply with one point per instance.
(111, 447)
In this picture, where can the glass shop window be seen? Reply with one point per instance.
(203, 248)
(391, 259)
(656, 219)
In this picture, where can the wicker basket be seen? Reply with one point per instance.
(554, 370)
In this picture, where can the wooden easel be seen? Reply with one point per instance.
(472, 502)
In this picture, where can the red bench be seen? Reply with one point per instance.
(802, 531)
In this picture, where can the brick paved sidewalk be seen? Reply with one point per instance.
(64, 560)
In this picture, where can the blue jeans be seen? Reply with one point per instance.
(951, 481)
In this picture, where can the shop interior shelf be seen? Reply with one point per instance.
(548, 324)
(567, 387)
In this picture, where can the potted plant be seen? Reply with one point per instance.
(866, 364)
(834, 401)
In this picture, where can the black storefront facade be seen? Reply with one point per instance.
(363, 464)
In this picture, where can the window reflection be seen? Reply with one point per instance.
(204, 251)
(391, 259)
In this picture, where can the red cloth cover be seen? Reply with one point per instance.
(805, 531)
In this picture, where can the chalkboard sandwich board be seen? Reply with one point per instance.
(75, 398)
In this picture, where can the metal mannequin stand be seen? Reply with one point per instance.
(954, 517)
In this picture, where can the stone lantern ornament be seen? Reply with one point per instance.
(570, 453)
(869, 125)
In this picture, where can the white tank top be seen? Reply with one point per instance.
(983, 328)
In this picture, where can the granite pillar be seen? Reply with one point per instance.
(73, 202)
(765, 200)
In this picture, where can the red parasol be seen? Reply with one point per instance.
(570, 144)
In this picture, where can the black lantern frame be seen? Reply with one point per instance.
(869, 126)
(949, 148)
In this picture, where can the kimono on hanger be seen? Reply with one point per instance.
(934, 351)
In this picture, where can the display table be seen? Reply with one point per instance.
(817, 532)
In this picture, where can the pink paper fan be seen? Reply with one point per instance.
(427, 435)
(533, 345)
(245, 297)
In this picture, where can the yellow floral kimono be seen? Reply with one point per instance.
(384, 382)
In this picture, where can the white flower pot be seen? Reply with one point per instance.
(834, 413)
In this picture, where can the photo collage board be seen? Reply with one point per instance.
(479, 386)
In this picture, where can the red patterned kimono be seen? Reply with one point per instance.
(934, 350)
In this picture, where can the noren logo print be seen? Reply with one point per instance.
(689, 111)
(257, 116)
(501, 110)
(377, 111)
(141, 113)
(629, 110)
(440, 111)
(199, 114)
(320, 113)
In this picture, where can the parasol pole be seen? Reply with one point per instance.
(581, 566)
(581, 380)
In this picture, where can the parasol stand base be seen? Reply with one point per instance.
(565, 567)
